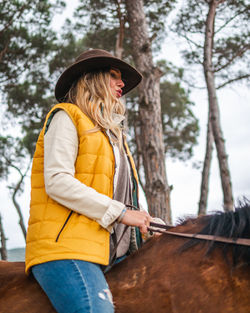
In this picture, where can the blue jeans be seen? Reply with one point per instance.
(74, 286)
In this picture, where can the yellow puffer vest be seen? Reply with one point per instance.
(54, 231)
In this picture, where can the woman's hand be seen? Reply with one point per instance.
(140, 219)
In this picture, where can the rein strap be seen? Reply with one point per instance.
(237, 241)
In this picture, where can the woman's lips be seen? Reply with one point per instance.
(119, 93)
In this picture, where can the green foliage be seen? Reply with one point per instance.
(67, 53)
(180, 126)
(29, 75)
(100, 20)
(100, 17)
(156, 13)
(26, 38)
(26, 47)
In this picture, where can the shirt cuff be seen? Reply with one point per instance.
(111, 215)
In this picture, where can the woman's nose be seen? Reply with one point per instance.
(120, 83)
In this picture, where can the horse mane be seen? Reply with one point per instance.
(231, 224)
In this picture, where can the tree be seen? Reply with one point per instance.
(106, 26)
(15, 153)
(26, 46)
(151, 131)
(25, 100)
(180, 126)
(206, 168)
(26, 37)
(99, 19)
(222, 25)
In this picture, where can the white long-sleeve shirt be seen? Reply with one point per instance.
(60, 153)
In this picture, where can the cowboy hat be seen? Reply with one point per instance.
(92, 60)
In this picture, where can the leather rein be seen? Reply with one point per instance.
(236, 241)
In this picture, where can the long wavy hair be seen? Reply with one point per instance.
(92, 94)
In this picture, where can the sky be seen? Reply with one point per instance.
(234, 104)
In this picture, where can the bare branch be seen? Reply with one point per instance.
(3, 52)
(220, 1)
(191, 41)
(229, 21)
(192, 85)
(238, 54)
(17, 206)
(12, 165)
(233, 80)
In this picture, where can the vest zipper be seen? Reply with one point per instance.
(65, 223)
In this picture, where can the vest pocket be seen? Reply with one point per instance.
(64, 225)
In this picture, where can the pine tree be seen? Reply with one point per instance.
(106, 26)
(218, 35)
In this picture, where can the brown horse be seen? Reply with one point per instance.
(169, 274)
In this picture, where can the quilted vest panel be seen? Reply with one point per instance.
(54, 231)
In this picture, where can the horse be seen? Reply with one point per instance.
(169, 273)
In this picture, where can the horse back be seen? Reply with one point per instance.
(20, 293)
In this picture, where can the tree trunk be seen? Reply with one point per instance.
(120, 35)
(138, 158)
(151, 133)
(17, 206)
(3, 241)
(14, 200)
(206, 169)
(214, 108)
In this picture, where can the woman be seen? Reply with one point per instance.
(83, 185)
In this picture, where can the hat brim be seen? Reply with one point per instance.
(130, 76)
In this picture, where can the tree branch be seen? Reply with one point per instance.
(16, 17)
(230, 20)
(16, 189)
(233, 80)
(191, 41)
(12, 165)
(220, 1)
(238, 54)
(17, 206)
(2, 53)
(192, 85)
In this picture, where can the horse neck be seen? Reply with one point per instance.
(160, 277)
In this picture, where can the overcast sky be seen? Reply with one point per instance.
(234, 104)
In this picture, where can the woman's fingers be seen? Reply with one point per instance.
(140, 219)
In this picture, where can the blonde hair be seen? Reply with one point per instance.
(92, 94)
